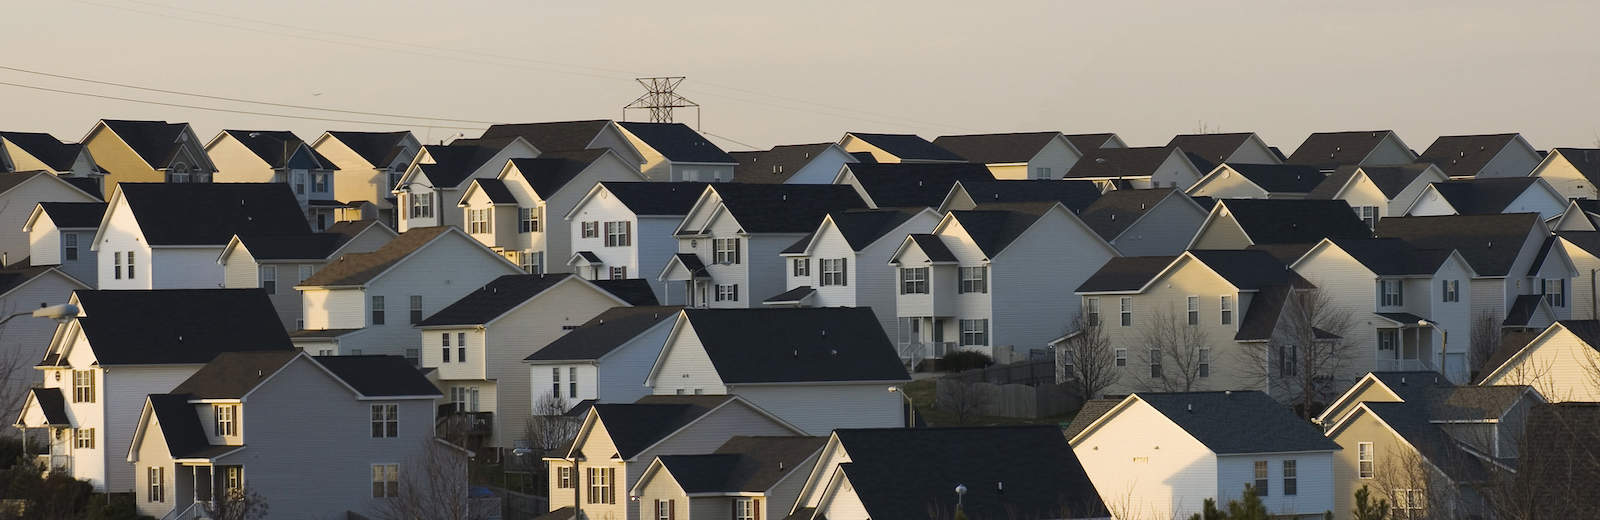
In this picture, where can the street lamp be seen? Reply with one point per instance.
(961, 491)
(1444, 340)
(910, 407)
(60, 313)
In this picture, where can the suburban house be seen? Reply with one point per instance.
(152, 341)
(1489, 195)
(863, 238)
(552, 136)
(791, 164)
(1579, 215)
(989, 472)
(1143, 167)
(1424, 444)
(1075, 195)
(1153, 221)
(1258, 181)
(513, 212)
(675, 152)
(604, 359)
(438, 174)
(235, 427)
(896, 148)
(38, 151)
(1015, 156)
(832, 368)
(1085, 142)
(1561, 362)
(1519, 275)
(892, 185)
(1240, 223)
(741, 229)
(1572, 172)
(282, 157)
(169, 236)
(1375, 192)
(620, 230)
(24, 289)
(475, 345)
(617, 442)
(1489, 155)
(1331, 150)
(991, 279)
(20, 193)
(1583, 249)
(1238, 147)
(346, 302)
(370, 165)
(279, 263)
(147, 151)
(745, 478)
(1169, 452)
(57, 236)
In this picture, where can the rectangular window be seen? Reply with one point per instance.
(1368, 215)
(1205, 362)
(269, 279)
(1388, 339)
(69, 246)
(130, 265)
(298, 178)
(802, 267)
(421, 205)
(1042, 172)
(664, 510)
(913, 280)
(479, 221)
(1091, 311)
(572, 382)
(1226, 304)
(319, 182)
(444, 348)
(1194, 310)
(727, 292)
(1261, 478)
(156, 480)
(461, 347)
(1409, 504)
(464, 398)
(116, 265)
(83, 438)
(529, 220)
(1451, 291)
(224, 425)
(745, 509)
(83, 386)
(385, 480)
(564, 477)
(1291, 480)
(416, 308)
(531, 262)
(620, 234)
(385, 421)
(555, 382)
(833, 272)
(305, 272)
(1127, 311)
(1155, 363)
(974, 332)
(1288, 360)
(1364, 459)
(1393, 292)
(725, 251)
(377, 310)
(1122, 357)
(601, 488)
(1555, 292)
(590, 229)
(233, 479)
(974, 280)
(619, 272)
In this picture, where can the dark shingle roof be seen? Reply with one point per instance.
(1216, 148)
(750, 464)
(1086, 142)
(604, 333)
(52, 404)
(634, 291)
(276, 147)
(1113, 212)
(657, 198)
(89, 185)
(636, 426)
(1280, 178)
(453, 163)
(1585, 160)
(502, 294)
(155, 141)
(1125, 273)
(74, 215)
(180, 425)
(1337, 148)
(16, 274)
(1489, 242)
(360, 268)
(1261, 316)
(862, 227)
(212, 213)
(1560, 446)
(141, 327)
(914, 184)
(1430, 440)
(996, 148)
(774, 166)
(1091, 410)
(1288, 221)
(496, 190)
(1391, 180)
(1120, 162)
(784, 208)
(1484, 196)
(46, 148)
(1522, 310)
(795, 295)
(678, 143)
(552, 136)
(551, 171)
(994, 226)
(1392, 256)
(379, 149)
(379, 376)
(309, 246)
(1075, 195)
(1464, 155)
(796, 345)
(933, 246)
(232, 374)
(1249, 269)
(908, 146)
(1238, 422)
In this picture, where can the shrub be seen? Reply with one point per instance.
(964, 360)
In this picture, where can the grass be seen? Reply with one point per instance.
(923, 396)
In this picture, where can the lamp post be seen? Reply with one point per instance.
(1444, 341)
(906, 403)
(60, 313)
(961, 491)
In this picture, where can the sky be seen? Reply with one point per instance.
(769, 73)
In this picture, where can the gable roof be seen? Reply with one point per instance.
(1338, 148)
(994, 226)
(1392, 256)
(380, 376)
(907, 146)
(1086, 142)
(276, 147)
(1238, 422)
(52, 404)
(454, 162)
(1249, 269)
(1075, 195)
(1483, 196)
(777, 165)
(1124, 162)
(1436, 446)
(932, 246)
(360, 268)
(861, 227)
(211, 213)
(507, 292)
(552, 136)
(231, 375)
(1391, 180)
(1007, 148)
(1585, 160)
(495, 189)
(1465, 155)
(1091, 410)
(1280, 178)
(678, 143)
(155, 141)
(143, 327)
(1116, 210)
(743, 464)
(46, 148)
(1125, 273)
(784, 208)
(1475, 236)
(551, 171)
(379, 149)
(310, 246)
(656, 198)
(180, 425)
(74, 215)
(1216, 148)
(636, 426)
(604, 333)
(796, 345)
(1287, 221)
(914, 184)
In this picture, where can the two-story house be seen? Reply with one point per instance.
(1142, 167)
(1489, 195)
(1075, 195)
(604, 359)
(279, 263)
(24, 290)
(237, 426)
(1375, 192)
(1571, 171)
(990, 279)
(370, 165)
(1559, 361)
(832, 369)
(31, 151)
(746, 477)
(122, 346)
(1512, 278)
(1258, 181)
(147, 151)
(1237, 147)
(675, 152)
(620, 230)
(730, 240)
(904, 185)
(20, 193)
(863, 239)
(815, 163)
(282, 157)
(168, 236)
(896, 148)
(1024, 155)
(436, 177)
(1240, 223)
(1154, 221)
(1486, 155)
(1330, 150)
(513, 213)
(59, 234)
(1583, 249)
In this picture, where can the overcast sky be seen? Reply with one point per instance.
(774, 73)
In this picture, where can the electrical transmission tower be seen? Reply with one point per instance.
(660, 98)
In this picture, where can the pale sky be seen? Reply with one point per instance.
(778, 73)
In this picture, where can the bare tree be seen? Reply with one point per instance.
(550, 428)
(965, 400)
(1415, 488)
(238, 504)
(1307, 359)
(1182, 351)
(432, 484)
(1555, 474)
(1086, 361)
(1485, 340)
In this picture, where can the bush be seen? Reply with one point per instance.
(964, 360)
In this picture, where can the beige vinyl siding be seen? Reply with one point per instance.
(18, 203)
(1225, 183)
(473, 368)
(1169, 295)
(1222, 232)
(341, 309)
(44, 242)
(1353, 289)
(119, 161)
(1565, 178)
(843, 503)
(152, 452)
(1582, 291)
(1370, 391)
(1386, 449)
(1140, 456)
(1176, 171)
(1362, 192)
(236, 163)
(686, 366)
(1165, 229)
(1556, 366)
(662, 487)
(241, 271)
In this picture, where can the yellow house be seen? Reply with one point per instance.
(147, 151)
(1561, 362)
(1241, 223)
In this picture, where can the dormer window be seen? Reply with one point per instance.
(178, 173)
(225, 425)
(1555, 292)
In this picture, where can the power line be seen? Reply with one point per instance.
(731, 140)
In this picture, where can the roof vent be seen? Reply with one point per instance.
(919, 183)
(796, 353)
(1491, 244)
(824, 333)
(1000, 487)
(785, 196)
(1189, 407)
(258, 373)
(1113, 217)
(1374, 134)
(1227, 392)
(780, 465)
(1338, 148)
(835, 352)
(997, 196)
(180, 338)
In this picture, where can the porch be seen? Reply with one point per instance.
(200, 488)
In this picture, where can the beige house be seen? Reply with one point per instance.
(745, 478)
(30, 151)
(1258, 181)
(370, 165)
(1561, 362)
(1027, 155)
(896, 148)
(1375, 192)
(1331, 150)
(1240, 223)
(278, 263)
(147, 151)
(1572, 172)
(279, 156)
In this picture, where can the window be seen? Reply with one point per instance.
(1122, 357)
(83, 438)
(1127, 311)
(1364, 459)
(178, 173)
(1409, 503)
(224, 425)
(619, 272)
(305, 272)
(1091, 311)
(116, 263)
(590, 229)
(834, 272)
(572, 382)
(1388, 339)
(620, 234)
(1155, 363)
(1261, 478)
(1291, 480)
(233, 479)
(1368, 215)
(564, 477)
(1205, 362)
(601, 490)
(1194, 310)
(727, 292)
(395, 172)
(156, 483)
(1450, 290)
(529, 220)
(745, 509)
(1555, 292)
(444, 346)
(664, 509)
(726, 251)
(974, 280)
(385, 421)
(269, 279)
(974, 332)
(421, 205)
(1393, 292)
(479, 221)
(461, 347)
(83, 386)
(464, 398)
(377, 310)
(1288, 360)
(1226, 304)
(385, 480)
(298, 178)
(69, 246)
(913, 280)
(130, 265)
(555, 382)
(802, 267)
(1041, 173)
(532, 262)
(319, 182)
(416, 308)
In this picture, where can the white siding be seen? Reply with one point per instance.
(1146, 465)
(19, 201)
(1537, 199)
(1225, 183)
(1163, 230)
(1314, 481)
(820, 409)
(120, 235)
(340, 309)
(44, 242)
(1431, 204)
(22, 339)
(1564, 177)
(1556, 366)
(1515, 160)
(685, 366)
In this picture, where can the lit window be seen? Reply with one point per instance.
(224, 425)
(1226, 304)
(385, 480)
(1261, 478)
(1364, 459)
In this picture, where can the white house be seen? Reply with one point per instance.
(625, 229)
(1583, 249)
(814, 163)
(906, 185)
(1143, 167)
(59, 234)
(1331, 150)
(860, 238)
(604, 359)
(1027, 155)
(1168, 452)
(832, 368)
(1488, 155)
(1258, 181)
(19, 194)
(1489, 195)
(370, 166)
(1238, 147)
(675, 152)
(1075, 195)
(434, 180)
(896, 148)
(23, 290)
(1571, 171)
(282, 157)
(1517, 271)
(1375, 192)
(278, 263)
(169, 235)
(747, 477)
(1155, 221)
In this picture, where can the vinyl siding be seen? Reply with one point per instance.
(119, 161)
(1225, 183)
(442, 272)
(1431, 204)
(1566, 179)
(341, 309)
(1389, 151)
(1222, 232)
(820, 409)
(723, 226)
(686, 366)
(1353, 289)
(662, 487)
(1163, 230)
(1169, 295)
(18, 203)
(1387, 451)
(1029, 278)
(822, 168)
(433, 353)
(1556, 366)
(1141, 459)
(1515, 160)
(122, 234)
(44, 243)
(602, 208)
(1582, 289)
(844, 504)
(235, 163)
(1176, 172)
(357, 179)
(623, 371)
(123, 391)
(1537, 199)
(23, 338)
(1313, 481)
(152, 452)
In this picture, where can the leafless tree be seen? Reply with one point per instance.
(1307, 360)
(1485, 340)
(1415, 488)
(1086, 361)
(1537, 374)
(1555, 476)
(238, 504)
(432, 484)
(965, 400)
(549, 429)
(1203, 127)
(1183, 352)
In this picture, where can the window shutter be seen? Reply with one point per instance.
(902, 272)
(657, 509)
(672, 509)
(736, 250)
(755, 507)
(735, 292)
(627, 233)
(91, 385)
(611, 484)
(844, 271)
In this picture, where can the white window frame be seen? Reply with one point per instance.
(1193, 304)
(1365, 461)
(834, 271)
(802, 267)
(589, 229)
(421, 205)
(306, 271)
(415, 308)
(1554, 291)
(1262, 471)
(1226, 304)
(528, 220)
(479, 221)
(1291, 477)
(1392, 293)
(378, 315)
(974, 333)
(744, 508)
(619, 233)
(618, 272)
(1091, 311)
(224, 420)
(156, 484)
(69, 246)
(725, 251)
(83, 386)
(385, 480)
(913, 280)
(973, 280)
(1204, 355)
(385, 420)
(1125, 310)
(269, 279)
(1156, 371)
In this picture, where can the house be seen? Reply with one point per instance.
(1075, 195)
(617, 442)
(1375, 192)
(832, 368)
(791, 164)
(1419, 442)
(1240, 223)
(147, 151)
(58, 235)
(1579, 215)
(22, 290)
(675, 152)
(439, 173)
(741, 229)
(235, 427)
(1186, 447)
(1154, 221)
(1014, 156)
(169, 236)
(1571, 171)
(571, 136)
(152, 341)
(892, 185)
(1258, 181)
(20, 193)
(36, 151)
(1489, 155)
(1086, 142)
(639, 219)
(1583, 249)
(346, 303)
(1005, 471)
(1560, 362)
(990, 279)
(863, 238)
(370, 165)
(1517, 276)
(1489, 195)
(604, 359)
(512, 213)
(1331, 150)
(475, 344)
(1238, 147)
(746, 477)
(1143, 167)
(896, 148)
(278, 263)
(282, 157)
